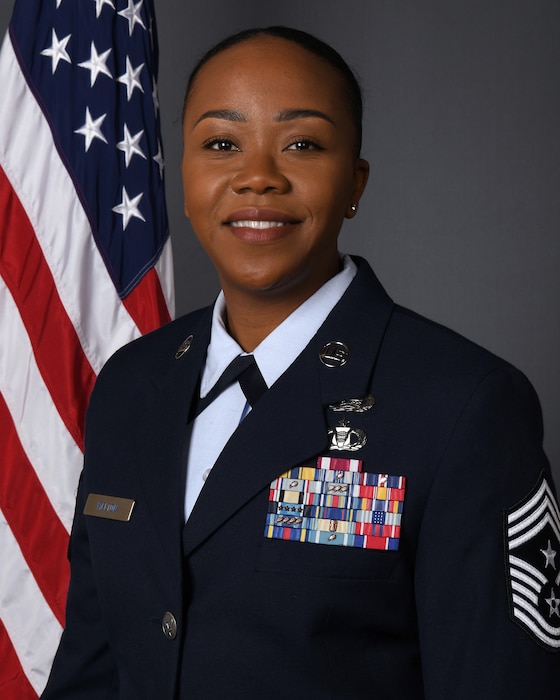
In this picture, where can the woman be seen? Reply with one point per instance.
(368, 512)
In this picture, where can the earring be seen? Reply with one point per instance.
(354, 208)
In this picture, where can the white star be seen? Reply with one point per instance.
(130, 78)
(57, 50)
(58, 3)
(159, 160)
(553, 603)
(132, 14)
(91, 129)
(99, 6)
(97, 64)
(130, 146)
(549, 556)
(128, 208)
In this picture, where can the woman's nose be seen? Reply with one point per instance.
(260, 172)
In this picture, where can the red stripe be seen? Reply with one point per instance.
(58, 353)
(146, 303)
(32, 519)
(13, 681)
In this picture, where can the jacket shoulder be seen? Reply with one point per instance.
(160, 345)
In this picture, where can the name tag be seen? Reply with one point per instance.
(110, 507)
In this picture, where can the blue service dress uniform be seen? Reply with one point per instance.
(455, 597)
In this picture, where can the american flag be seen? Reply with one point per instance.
(85, 266)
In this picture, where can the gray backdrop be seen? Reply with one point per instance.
(462, 130)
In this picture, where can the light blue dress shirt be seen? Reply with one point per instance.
(215, 425)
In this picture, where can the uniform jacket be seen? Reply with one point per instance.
(249, 616)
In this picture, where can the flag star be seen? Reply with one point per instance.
(58, 3)
(128, 208)
(92, 129)
(97, 64)
(57, 50)
(553, 604)
(130, 78)
(132, 14)
(549, 556)
(159, 160)
(130, 146)
(99, 6)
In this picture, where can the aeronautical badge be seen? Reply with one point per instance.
(533, 566)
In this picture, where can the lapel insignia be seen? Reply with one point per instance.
(346, 438)
(336, 503)
(360, 405)
(184, 347)
(533, 565)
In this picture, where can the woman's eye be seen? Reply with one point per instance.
(221, 145)
(304, 145)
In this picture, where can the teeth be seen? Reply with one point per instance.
(257, 224)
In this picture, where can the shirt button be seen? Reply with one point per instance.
(169, 625)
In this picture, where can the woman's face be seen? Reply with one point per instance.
(269, 167)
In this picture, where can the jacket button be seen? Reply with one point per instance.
(169, 625)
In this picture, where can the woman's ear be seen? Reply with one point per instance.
(361, 175)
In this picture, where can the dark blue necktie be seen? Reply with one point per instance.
(243, 369)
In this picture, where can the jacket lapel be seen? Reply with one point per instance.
(288, 425)
(165, 424)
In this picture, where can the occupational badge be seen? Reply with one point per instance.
(532, 530)
(346, 438)
(335, 502)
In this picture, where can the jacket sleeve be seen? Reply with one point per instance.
(473, 640)
(83, 668)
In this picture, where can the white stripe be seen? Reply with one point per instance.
(47, 193)
(30, 623)
(520, 588)
(522, 564)
(549, 501)
(527, 580)
(541, 524)
(164, 269)
(543, 489)
(529, 505)
(56, 458)
(535, 615)
(530, 518)
(555, 643)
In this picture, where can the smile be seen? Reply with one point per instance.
(257, 224)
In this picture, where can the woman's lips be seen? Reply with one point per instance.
(260, 225)
(246, 223)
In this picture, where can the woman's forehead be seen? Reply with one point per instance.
(274, 64)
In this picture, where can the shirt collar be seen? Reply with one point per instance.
(283, 345)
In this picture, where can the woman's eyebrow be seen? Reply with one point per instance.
(233, 115)
(230, 115)
(291, 114)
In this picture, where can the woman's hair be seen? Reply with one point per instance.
(306, 41)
